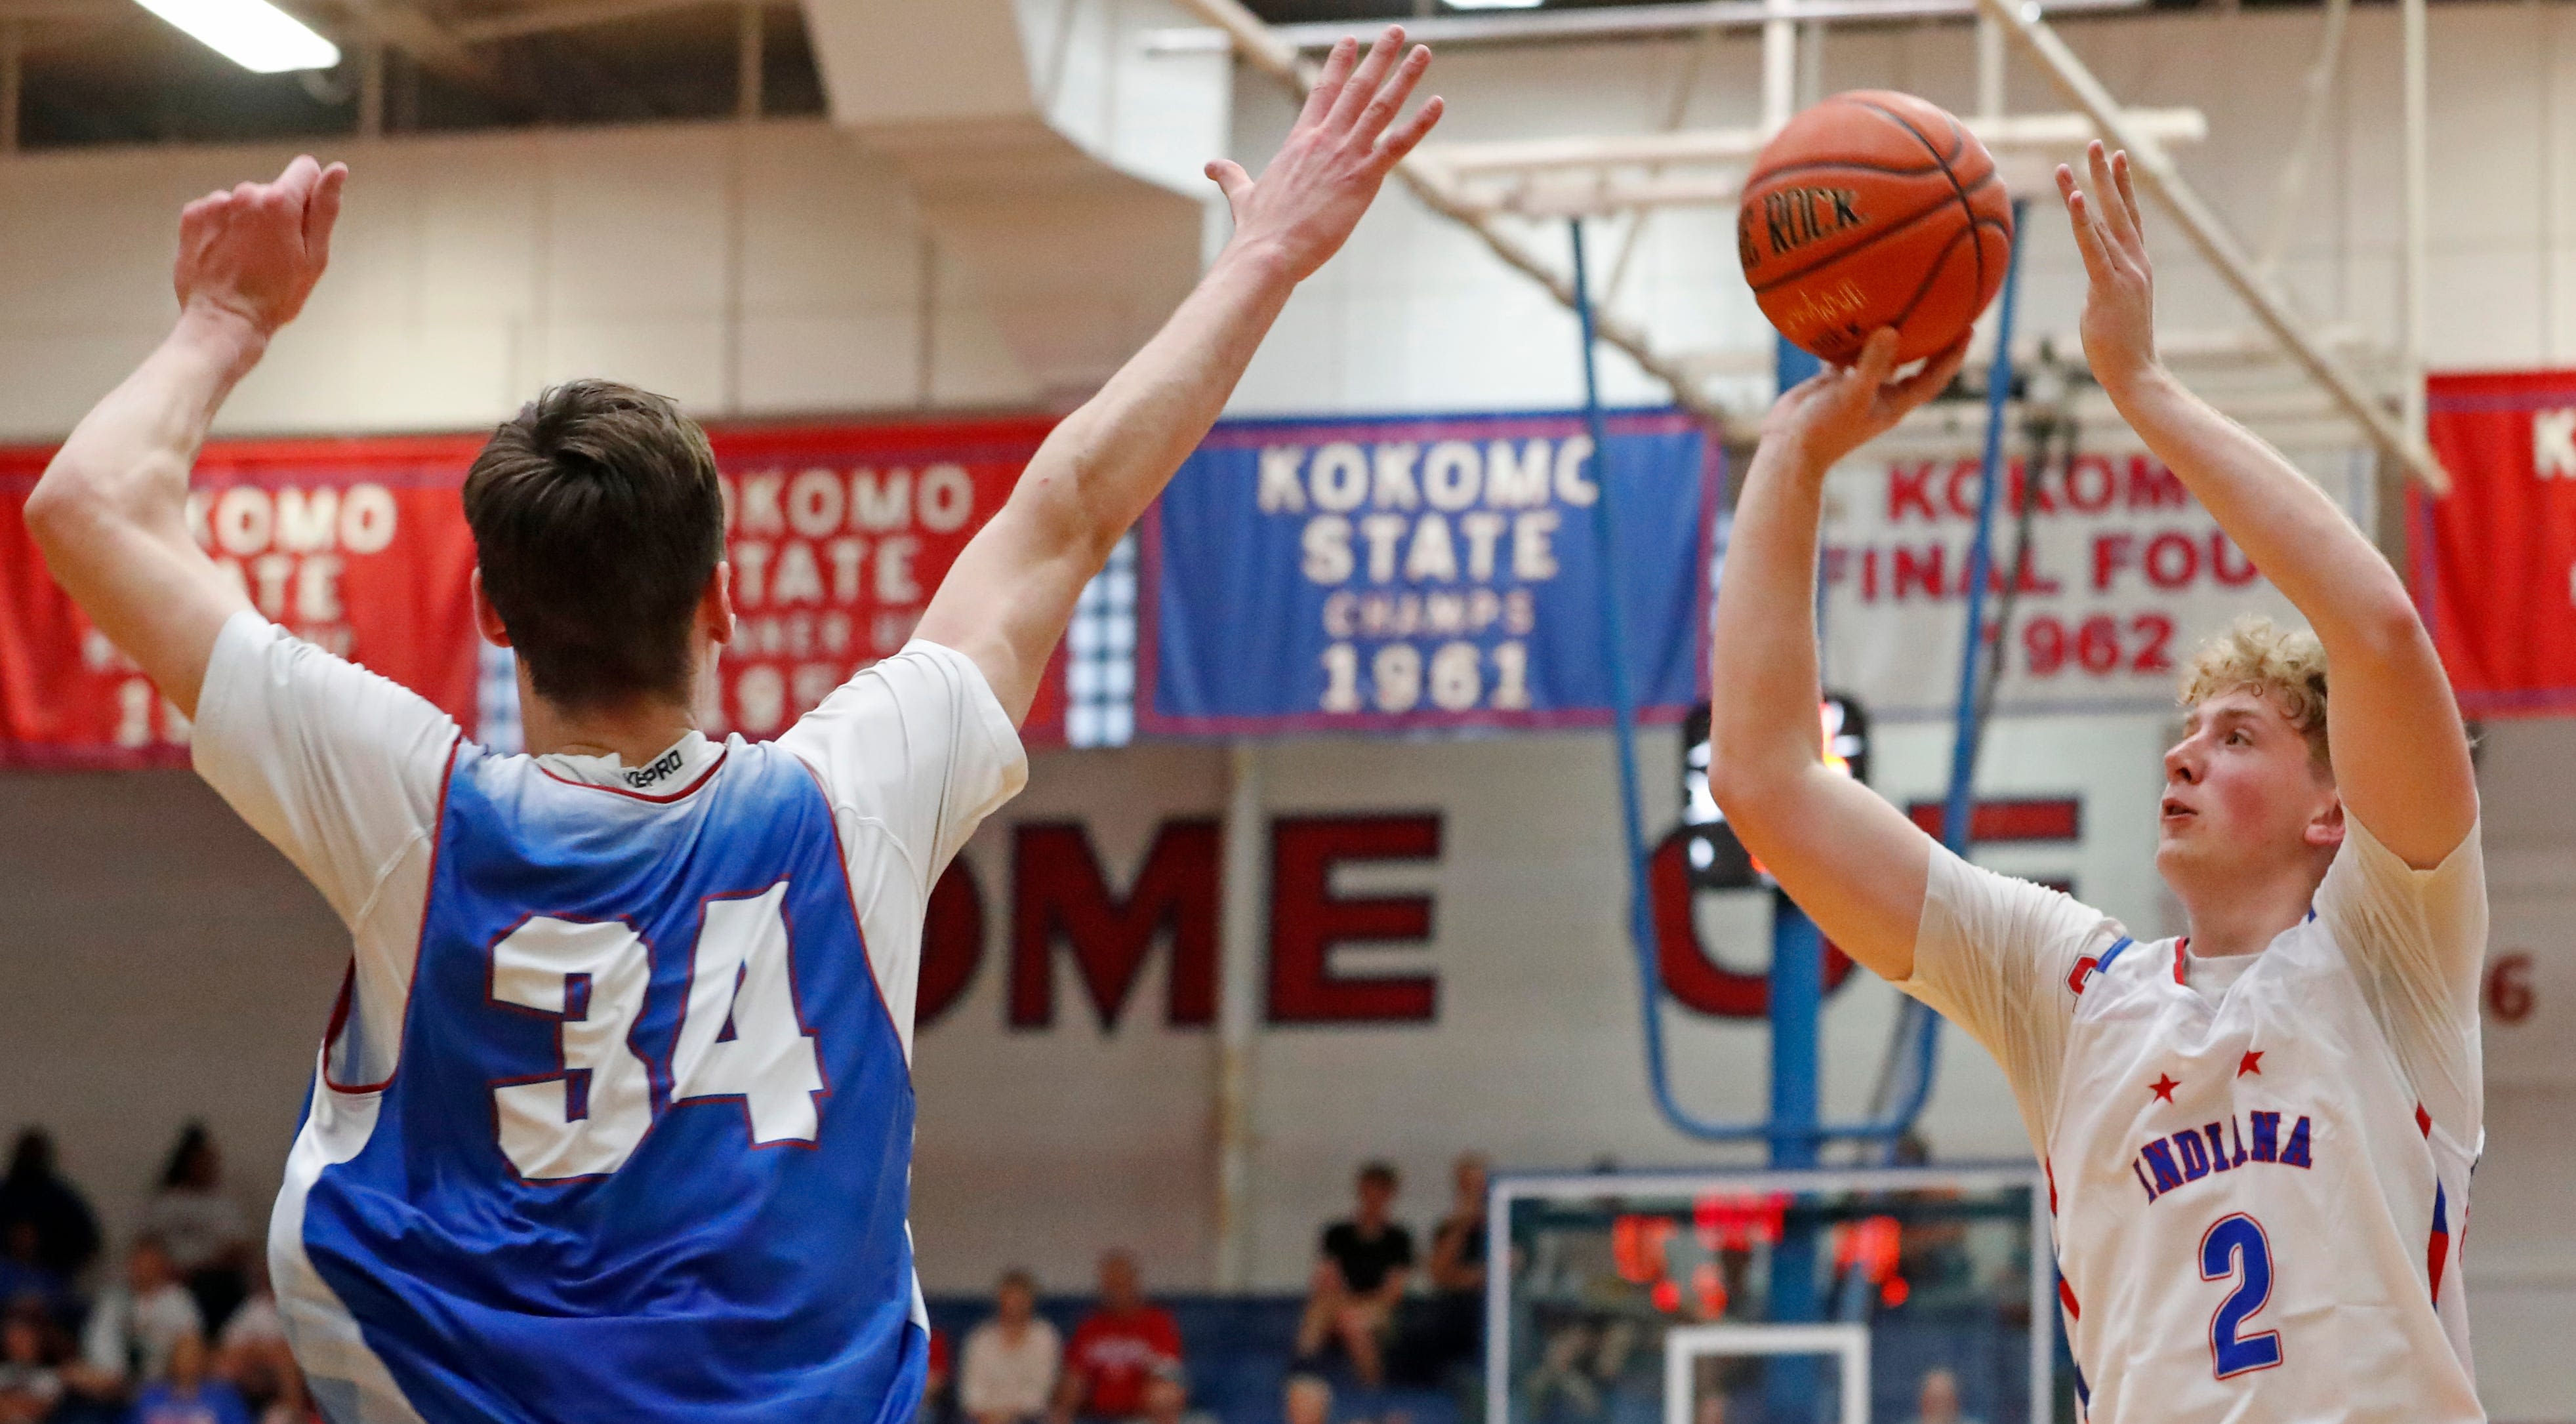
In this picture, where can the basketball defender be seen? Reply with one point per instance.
(2258, 1136)
(614, 1119)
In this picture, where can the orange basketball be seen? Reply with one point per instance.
(1874, 209)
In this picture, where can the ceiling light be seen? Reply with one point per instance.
(1493, 4)
(254, 34)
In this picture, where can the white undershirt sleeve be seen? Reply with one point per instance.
(1994, 955)
(913, 752)
(2417, 941)
(342, 771)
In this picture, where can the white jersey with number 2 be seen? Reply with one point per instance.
(2258, 1165)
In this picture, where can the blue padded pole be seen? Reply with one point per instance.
(1797, 1006)
(1623, 706)
(1789, 924)
(1958, 829)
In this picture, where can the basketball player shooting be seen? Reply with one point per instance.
(2258, 1136)
(614, 1119)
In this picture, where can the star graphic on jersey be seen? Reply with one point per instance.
(2163, 1086)
(2251, 1063)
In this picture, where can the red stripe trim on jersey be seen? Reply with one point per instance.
(2437, 1250)
(411, 982)
(2066, 1297)
(2050, 1168)
(2179, 946)
(2423, 1120)
(661, 800)
(841, 855)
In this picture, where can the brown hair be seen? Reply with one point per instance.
(598, 520)
(2285, 665)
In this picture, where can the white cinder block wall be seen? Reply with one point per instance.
(757, 271)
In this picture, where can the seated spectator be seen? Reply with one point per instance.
(1358, 1279)
(938, 1401)
(1167, 1401)
(135, 1327)
(1007, 1373)
(1936, 1400)
(1308, 1400)
(251, 1354)
(208, 1237)
(29, 1384)
(293, 1405)
(1120, 1350)
(35, 1196)
(24, 1277)
(1449, 1329)
(189, 1395)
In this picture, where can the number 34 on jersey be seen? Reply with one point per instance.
(740, 1036)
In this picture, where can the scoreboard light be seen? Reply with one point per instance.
(1716, 859)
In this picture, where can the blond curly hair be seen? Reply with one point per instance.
(2285, 665)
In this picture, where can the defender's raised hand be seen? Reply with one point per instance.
(2120, 293)
(1343, 146)
(255, 251)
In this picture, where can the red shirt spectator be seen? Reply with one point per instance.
(1120, 1349)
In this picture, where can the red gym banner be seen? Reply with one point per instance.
(838, 536)
(2495, 560)
(357, 545)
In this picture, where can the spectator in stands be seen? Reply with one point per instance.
(189, 1395)
(1167, 1401)
(1449, 1328)
(1008, 1371)
(1309, 1400)
(34, 1195)
(24, 1278)
(251, 1353)
(938, 1401)
(1358, 1279)
(135, 1327)
(293, 1404)
(1124, 1346)
(208, 1237)
(1936, 1400)
(29, 1384)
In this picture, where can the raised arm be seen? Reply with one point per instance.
(1011, 593)
(2401, 758)
(1850, 860)
(111, 511)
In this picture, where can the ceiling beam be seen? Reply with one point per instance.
(1261, 47)
(543, 19)
(2160, 180)
(440, 51)
(1605, 22)
(1736, 145)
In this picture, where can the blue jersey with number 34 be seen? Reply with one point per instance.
(645, 1154)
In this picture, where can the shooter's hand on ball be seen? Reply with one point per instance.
(1841, 408)
(1851, 860)
(2120, 296)
(252, 253)
(1312, 194)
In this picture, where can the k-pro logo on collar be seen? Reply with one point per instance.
(660, 769)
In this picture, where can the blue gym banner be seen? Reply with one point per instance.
(1410, 573)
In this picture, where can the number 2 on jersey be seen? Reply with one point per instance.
(2235, 1243)
(739, 1036)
